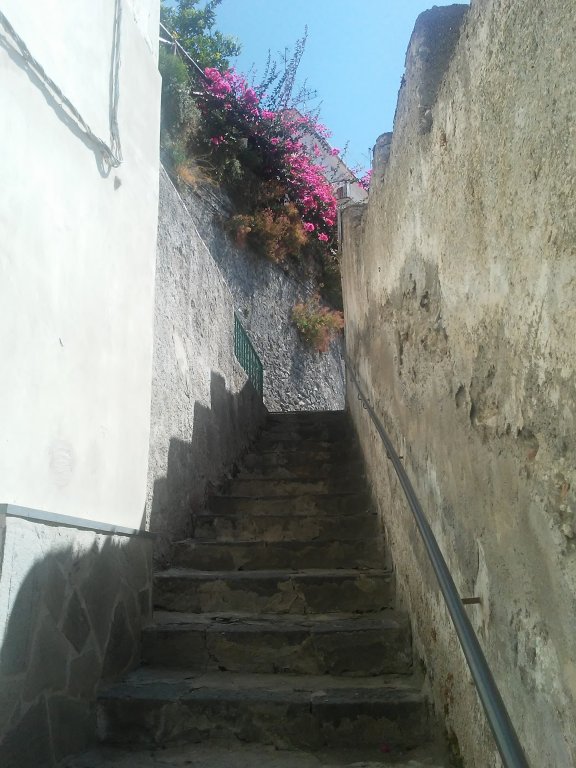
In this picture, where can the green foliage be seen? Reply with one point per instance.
(177, 104)
(316, 323)
(249, 140)
(179, 118)
(194, 28)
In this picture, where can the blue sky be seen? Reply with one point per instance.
(354, 56)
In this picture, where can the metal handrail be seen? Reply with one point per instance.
(248, 357)
(498, 718)
(173, 41)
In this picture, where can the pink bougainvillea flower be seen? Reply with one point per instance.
(250, 96)
(365, 180)
(280, 138)
(334, 151)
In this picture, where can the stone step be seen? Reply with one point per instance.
(315, 421)
(283, 527)
(293, 555)
(307, 416)
(341, 644)
(222, 754)
(291, 443)
(306, 505)
(310, 466)
(297, 592)
(234, 754)
(162, 707)
(333, 433)
(278, 486)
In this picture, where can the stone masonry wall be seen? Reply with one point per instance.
(460, 302)
(295, 376)
(72, 605)
(204, 410)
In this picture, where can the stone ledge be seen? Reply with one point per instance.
(67, 521)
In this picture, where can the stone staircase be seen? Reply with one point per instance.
(276, 643)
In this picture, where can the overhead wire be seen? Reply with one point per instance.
(111, 151)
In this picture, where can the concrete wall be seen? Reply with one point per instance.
(78, 256)
(460, 296)
(296, 377)
(72, 604)
(80, 92)
(204, 411)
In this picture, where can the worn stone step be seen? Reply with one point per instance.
(274, 486)
(307, 416)
(157, 707)
(283, 527)
(234, 754)
(338, 430)
(297, 592)
(303, 421)
(291, 443)
(310, 419)
(341, 644)
(334, 436)
(309, 466)
(343, 503)
(294, 555)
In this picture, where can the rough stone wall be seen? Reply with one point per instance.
(460, 301)
(72, 605)
(204, 411)
(295, 376)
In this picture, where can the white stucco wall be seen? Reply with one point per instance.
(77, 262)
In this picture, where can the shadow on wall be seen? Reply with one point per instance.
(73, 601)
(74, 620)
(220, 434)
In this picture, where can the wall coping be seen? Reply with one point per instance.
(55, 519)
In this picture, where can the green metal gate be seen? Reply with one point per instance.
(248, 357)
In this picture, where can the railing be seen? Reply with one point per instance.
(503, 731)
(248, 357)
(183, 52)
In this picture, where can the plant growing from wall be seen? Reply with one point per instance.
(316, 323)
(286, 207)
(194, 29)
(179, 116)
(250, 139)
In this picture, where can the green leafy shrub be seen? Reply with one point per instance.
(253, 141)
(194, 28)
(179, 115)
(316, 323)
(175, 89)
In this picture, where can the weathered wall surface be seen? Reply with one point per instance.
(77, 263)
(204, 411)
(72, 605)
(78, 257)
(460, 299)
(295, 376)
